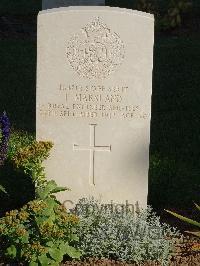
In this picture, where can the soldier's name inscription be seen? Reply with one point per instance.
(92, 101)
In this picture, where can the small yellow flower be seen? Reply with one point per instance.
(8, 220)
(12, 213)
(21, 232)
(74, 218)
(23, 215)
(196, 247)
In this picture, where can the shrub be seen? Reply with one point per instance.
(106, 233)
(23, 169)
(27, 155)
(173, 18)
(146, 6)
(41, 232)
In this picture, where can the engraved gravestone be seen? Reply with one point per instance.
(47, 4)
(94, 80)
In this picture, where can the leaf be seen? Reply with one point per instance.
(70, 251)
(173, 23)
(40, 220)
(178, 19)
(185, 219)
(2, 189)
(44, 260)
(11, 251)
(63, 246)
(47, 212)
(51, 203)
(74, 237)
(25, 239)
(193, 233)
(43, 193)
(33, 263)
(197, 206)
(50, 244)
(180, 5)
(59, 189)
(73, 252)
(50, 188)
(56, 254)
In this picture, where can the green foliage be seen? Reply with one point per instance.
(165, 19)
(106, 232)
(27, 155)
(146, 6)
(188, 220)
(173, 18)
(18, 140)
(41, 232)
(49, 189)
(2, 189)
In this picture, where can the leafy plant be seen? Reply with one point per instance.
(188, 220)
(41, 232)
(27, 155)
(109, 233)
(173, 18)
(30, 159)
(146, 6)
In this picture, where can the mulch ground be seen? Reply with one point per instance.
(187, 253)
(192, 260)
(184, 255)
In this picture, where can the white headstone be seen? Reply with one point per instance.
(47, 4)
(94, 83)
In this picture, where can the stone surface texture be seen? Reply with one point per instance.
(47, 4)
(94, 85)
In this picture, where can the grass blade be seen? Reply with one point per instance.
(185, 219)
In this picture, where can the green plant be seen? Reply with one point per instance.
(27, 155)
(2, 189)
(188, 220)
(106, 232)
(18, 185)
(146, 6)
(173, 18)
(41, 232)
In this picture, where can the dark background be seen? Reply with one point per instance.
(174, 176)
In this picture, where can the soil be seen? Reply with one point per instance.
(192, 260)
(187, 253)
(184, 255)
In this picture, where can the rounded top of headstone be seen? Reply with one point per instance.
(98, 8)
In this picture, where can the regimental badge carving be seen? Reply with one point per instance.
(96, 51)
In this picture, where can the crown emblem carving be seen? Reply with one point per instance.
(95, 51)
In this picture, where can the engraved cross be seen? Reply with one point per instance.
(92, 148)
